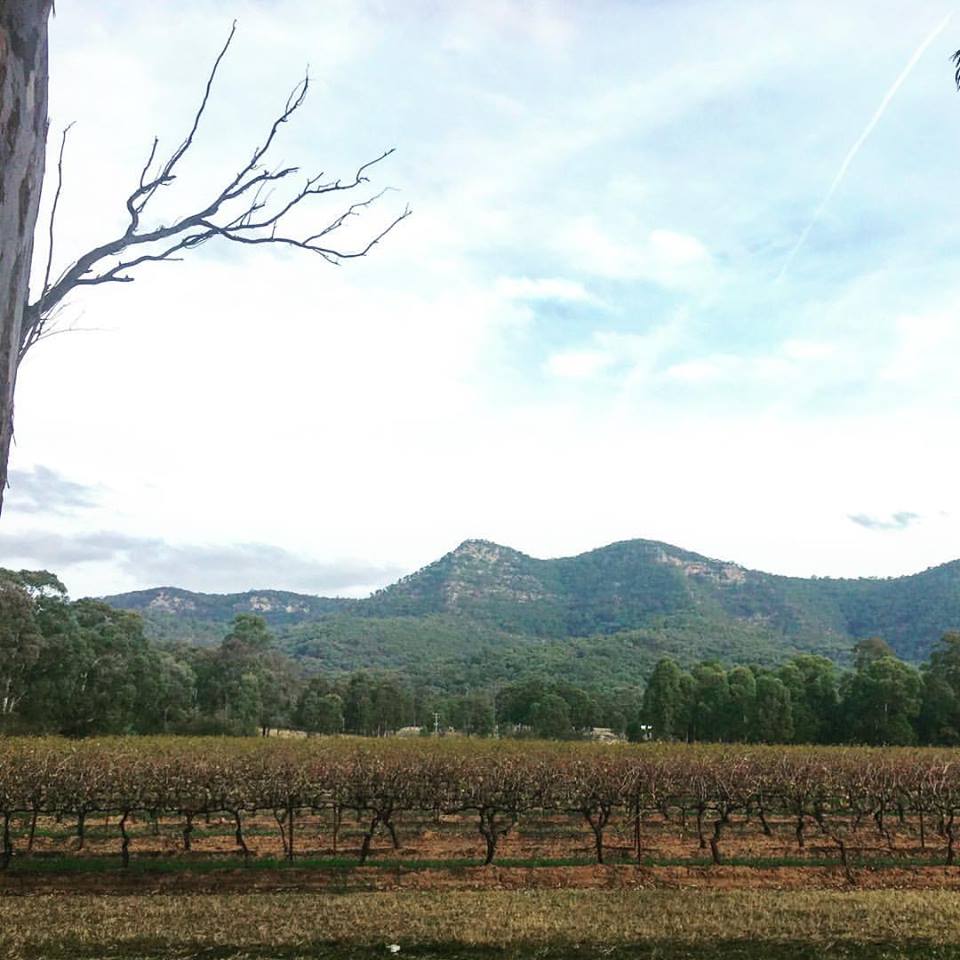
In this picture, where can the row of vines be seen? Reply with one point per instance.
(832, 791)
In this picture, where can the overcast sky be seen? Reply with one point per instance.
(681, 271)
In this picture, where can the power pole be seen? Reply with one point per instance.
(436, 723)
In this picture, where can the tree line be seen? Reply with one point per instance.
(81, 668)
(882, 700)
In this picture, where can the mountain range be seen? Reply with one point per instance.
(485, 610)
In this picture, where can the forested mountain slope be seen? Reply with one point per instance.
(488, 601)
(172, 613)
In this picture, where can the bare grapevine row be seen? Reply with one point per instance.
(832, 791)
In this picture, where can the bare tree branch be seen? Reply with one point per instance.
(327, 253)
(53, 208)
(132, 205)
(51, 327)
(141, 196)
(46, 329)
(242, 212)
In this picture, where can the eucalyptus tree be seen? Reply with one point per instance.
(665, 705)
(21, 642)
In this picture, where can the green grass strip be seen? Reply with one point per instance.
(163, 865)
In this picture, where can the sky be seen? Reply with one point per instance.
(682, 271)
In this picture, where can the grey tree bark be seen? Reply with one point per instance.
(23, 139)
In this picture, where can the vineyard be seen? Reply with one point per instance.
(473, 802)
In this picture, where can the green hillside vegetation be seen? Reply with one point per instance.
(83, 667)
(468, 653)
(485, 610)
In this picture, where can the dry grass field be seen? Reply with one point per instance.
(532, 923)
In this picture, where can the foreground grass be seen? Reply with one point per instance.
(667, 925)
(661, 950)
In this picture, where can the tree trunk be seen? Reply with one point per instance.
(238, 836)
(368, 838)
(337, 820)
(290, 816)
(392, 830)
(597, 817)
(281, 818)
(598, 840)
(125, 845)
(491, 832)
(637, 840)
(845, 861)
(7, 853)
(882, 828)
(33, 829)
(491, 841)
(23, 140)
(718, 825)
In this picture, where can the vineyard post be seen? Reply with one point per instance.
(337, 819)
(7, 854)
(291, 813)
(31, 835)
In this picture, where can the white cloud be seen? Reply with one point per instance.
(227, 568)
(924, 350)
(707, 370)
(674, 251)
(578, 364)
(623, 357)
(543, 288)
(669, 258)
(808, 349)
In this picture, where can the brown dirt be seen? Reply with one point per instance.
(456, 838)
(453, 838)
(485, 878)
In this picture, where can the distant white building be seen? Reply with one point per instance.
(604, 735)
(409, 732)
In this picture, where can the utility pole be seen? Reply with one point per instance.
(436, 723)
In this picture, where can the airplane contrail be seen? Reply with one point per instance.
(855, 149)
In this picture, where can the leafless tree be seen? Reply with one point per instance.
(251, 207)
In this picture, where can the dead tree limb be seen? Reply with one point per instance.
(243, 210)
(240, 212)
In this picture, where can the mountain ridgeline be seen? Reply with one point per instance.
(493, 610)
